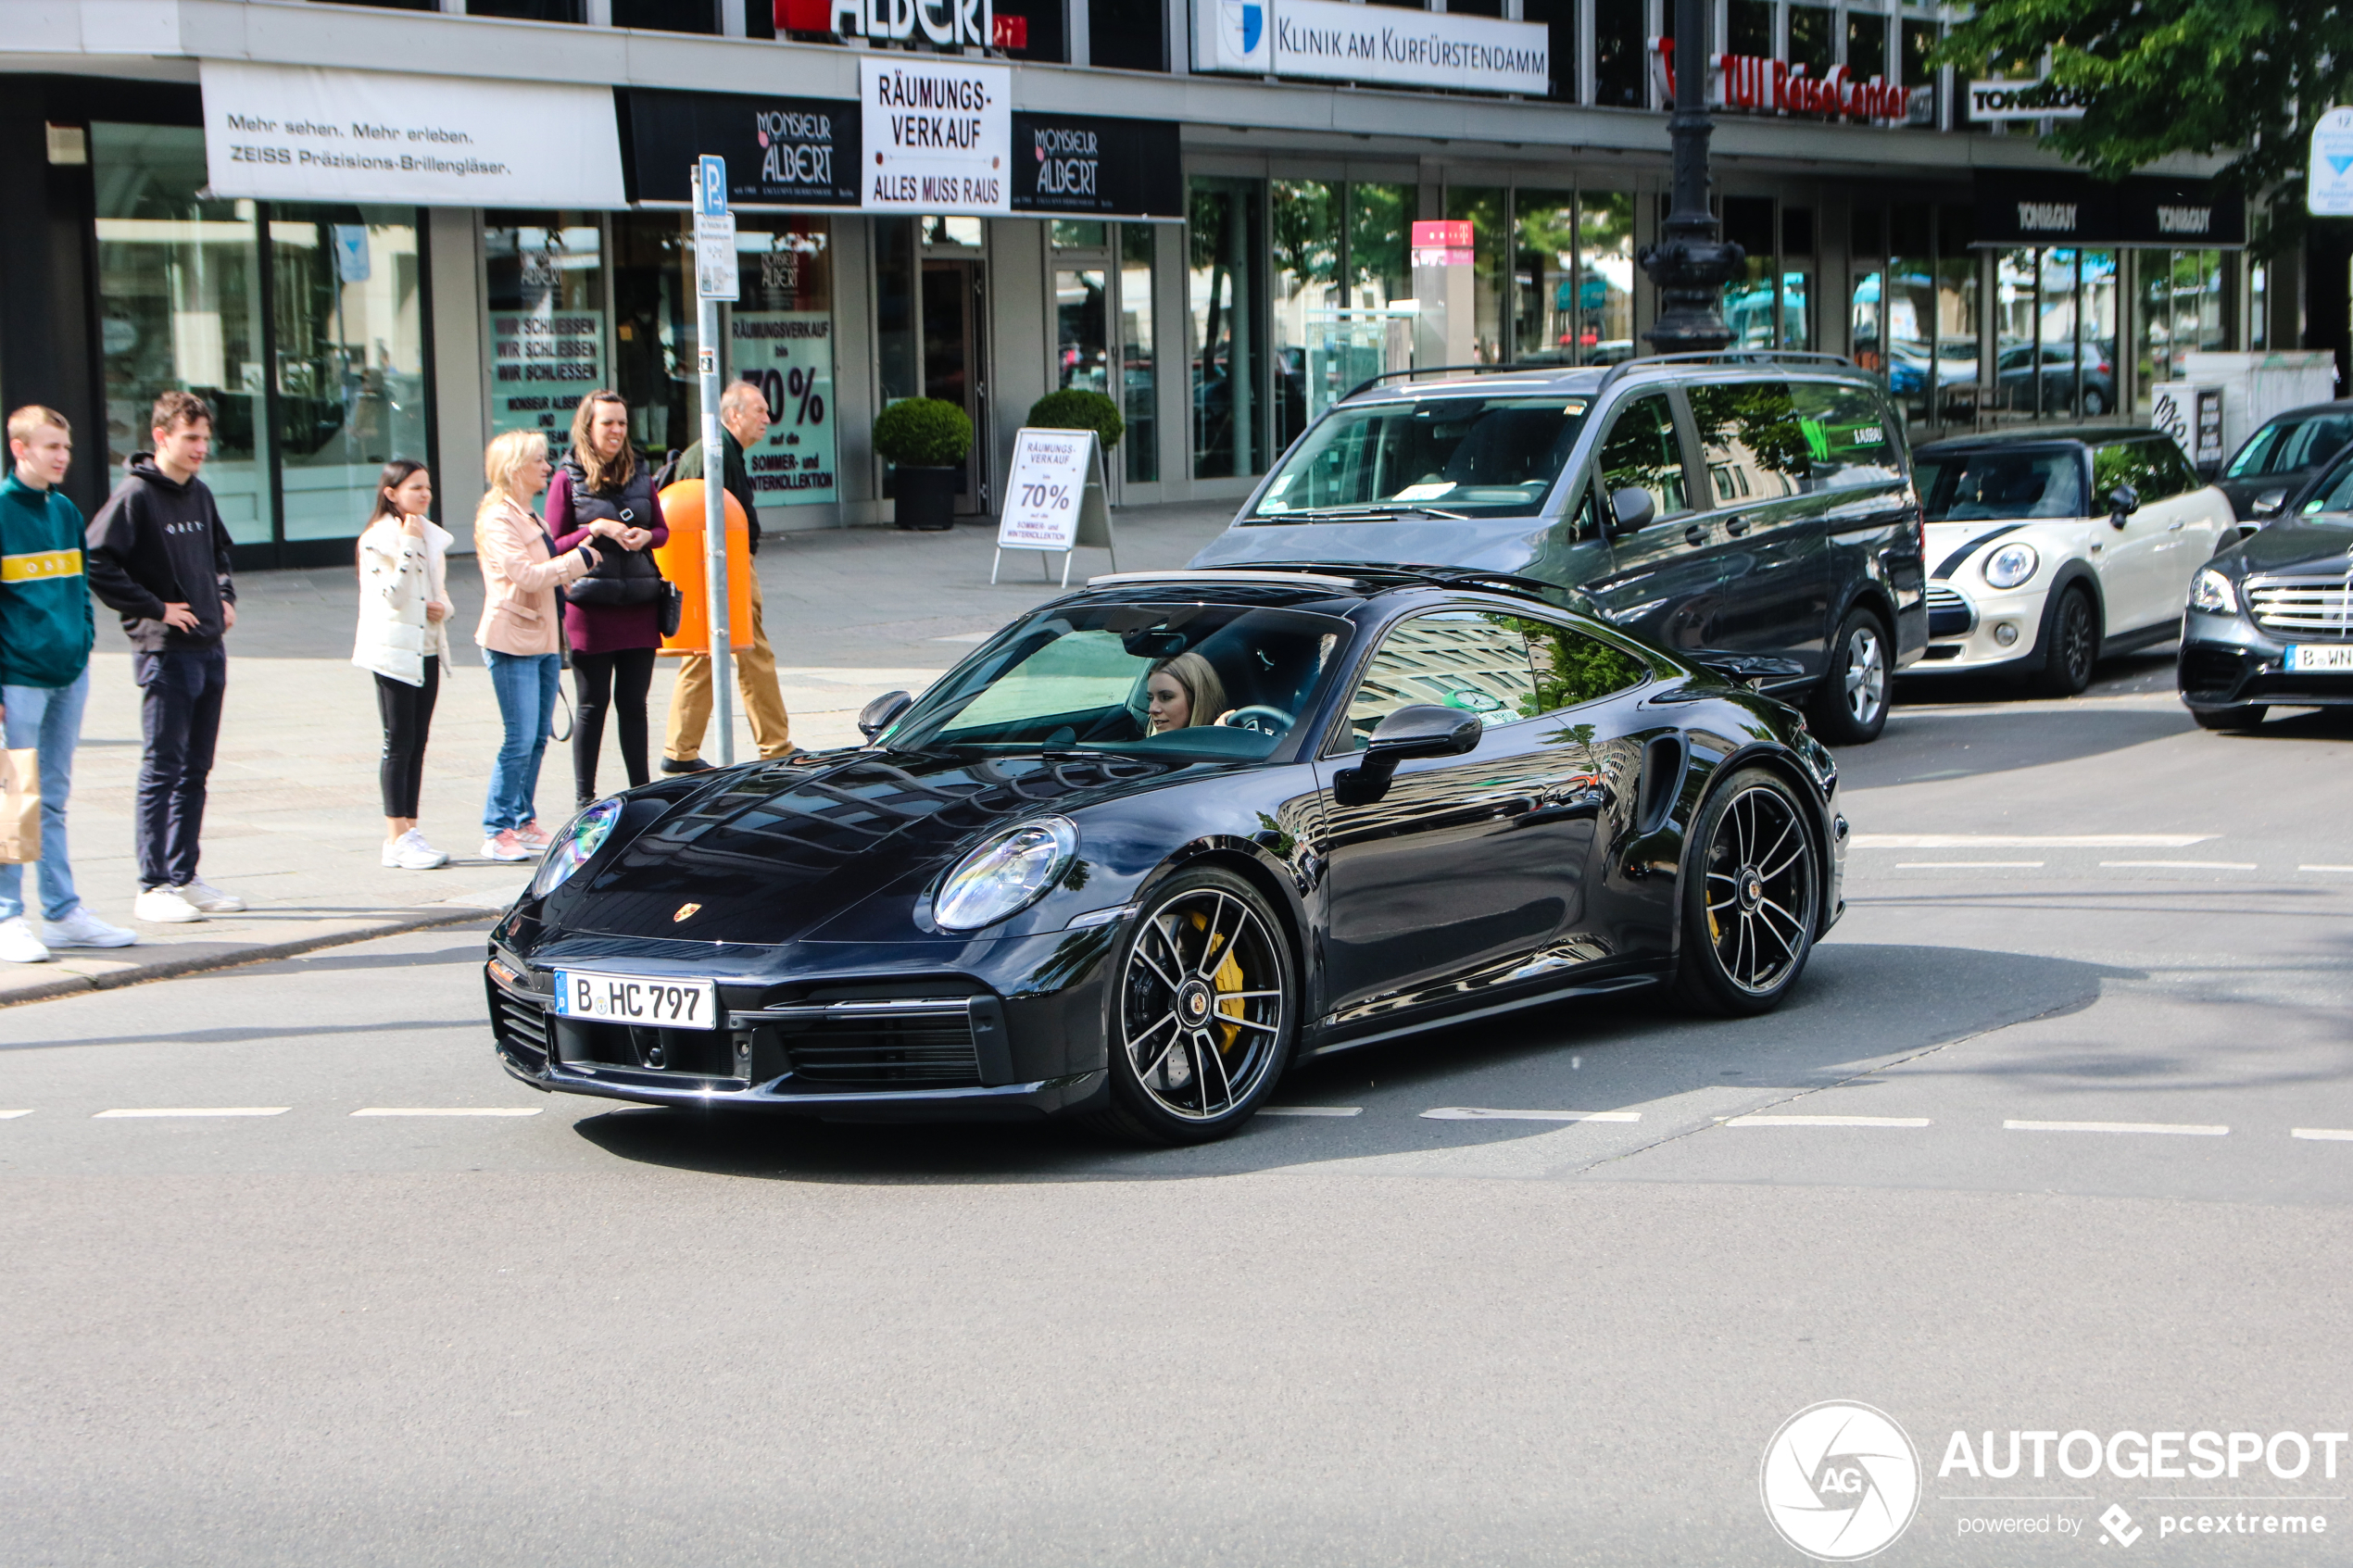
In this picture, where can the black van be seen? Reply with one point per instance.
(1753, 503)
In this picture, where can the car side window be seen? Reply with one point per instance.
(1848, 439)
(2167, 457)
(1640, 453)
(1573, 668)
(1749, 435)
(1456, 658)
(2143, 464)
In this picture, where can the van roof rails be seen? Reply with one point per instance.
(1371, 381)
(1721, 357)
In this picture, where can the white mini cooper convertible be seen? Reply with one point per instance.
(2049, 548)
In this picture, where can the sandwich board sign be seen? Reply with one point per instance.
(1055, 499)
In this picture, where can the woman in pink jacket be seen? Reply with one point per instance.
(521, 634)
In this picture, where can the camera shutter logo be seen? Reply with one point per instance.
(1840, 1481)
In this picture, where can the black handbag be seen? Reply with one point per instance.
(674, 608)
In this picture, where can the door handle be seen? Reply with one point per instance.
(2176, 528)
(1736, 526)
(1695, 534)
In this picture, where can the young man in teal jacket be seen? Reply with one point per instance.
(46, 633)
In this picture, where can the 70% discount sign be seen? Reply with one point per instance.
(1054, 496)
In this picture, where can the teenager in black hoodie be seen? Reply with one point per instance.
(158, 554)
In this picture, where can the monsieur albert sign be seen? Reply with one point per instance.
(781, 151)
(1094, 166)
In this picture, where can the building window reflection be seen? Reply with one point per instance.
(1225, 234)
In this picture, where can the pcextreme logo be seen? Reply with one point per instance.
(1840, 1481)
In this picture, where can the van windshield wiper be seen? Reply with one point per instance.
(1374, 509)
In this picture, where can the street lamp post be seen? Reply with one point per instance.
(1691, 263)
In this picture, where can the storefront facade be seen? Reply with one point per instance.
(1220, 223)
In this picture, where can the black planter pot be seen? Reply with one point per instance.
(925, 499)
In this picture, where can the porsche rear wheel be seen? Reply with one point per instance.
(1204, 1013)
(1752, 897)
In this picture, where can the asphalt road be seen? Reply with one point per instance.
(571, 1334)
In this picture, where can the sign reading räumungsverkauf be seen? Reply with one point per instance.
(1333, 41)
(938, 132)
(307, 134)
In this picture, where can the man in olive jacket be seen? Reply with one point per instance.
(46, 633)
(159, 556)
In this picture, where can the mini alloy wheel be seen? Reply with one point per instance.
(1752, 897)
(2074, 645)
(1201, 1022)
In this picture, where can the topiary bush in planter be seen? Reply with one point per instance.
(926, 440)
(1079, 410)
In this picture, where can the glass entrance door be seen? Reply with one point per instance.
(953, 362)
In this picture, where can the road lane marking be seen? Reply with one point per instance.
(450, 1111)
(2187, 865)
(2325, 868)
(1481, 1113)
(1311, 1110)
(2030, 840)
(2327, 1135)
(150, 1112)
(1951, 865)
(1776, 1120)
(12, 1115)
(2189, 1129)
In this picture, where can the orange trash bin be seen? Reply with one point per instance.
(682, 562)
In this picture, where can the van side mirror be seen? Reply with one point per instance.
(877, 715)
(2122, 502)
(1423, 729)
(1631, 511)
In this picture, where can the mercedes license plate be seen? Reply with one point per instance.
(2335, 657)
(634, 998)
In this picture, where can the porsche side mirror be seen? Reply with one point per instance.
(877, 715)
(1422, 730)
(2122, 502)
(1631, 511)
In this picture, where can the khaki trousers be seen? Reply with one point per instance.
(755, 678)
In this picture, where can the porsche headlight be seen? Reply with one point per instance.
(2011, 565)
(2212, 592)
(1005, 875)
(576, 846)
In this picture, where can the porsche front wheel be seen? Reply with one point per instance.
(1204, 1012)
(1751, 899)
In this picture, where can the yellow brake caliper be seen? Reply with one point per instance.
(1227, 981)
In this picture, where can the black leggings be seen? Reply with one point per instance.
(618, 681)
(408, 716)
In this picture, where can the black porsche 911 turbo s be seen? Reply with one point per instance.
(1161, 838)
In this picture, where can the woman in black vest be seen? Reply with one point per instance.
(612, 617)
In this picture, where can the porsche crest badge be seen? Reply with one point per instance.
(684, 912)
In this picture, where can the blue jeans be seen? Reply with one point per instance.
(49, 718)
(526, 685)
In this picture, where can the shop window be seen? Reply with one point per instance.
(533, 10)
(1812, 38)
(180, 303)
(1621, 67)
(1126, 35)
(1748, 302)
(939, 229)
(2181, 313)
(1303, 287)
(666, 16)
(896, 349)
(1604, 277)
(1748, 29)
(1918, 45)
(350, 359)
(1957, 329)
(1139, 396)
(1082, 329)
(1031, 29)
(1545, 277)
(1481, 340)
(1225, 236)
(1866, 44)
(1797, 277)
(1082, 236)
(1380, 227)
(653, 330)
(544, 293)
(780, 338)
(1559, 19)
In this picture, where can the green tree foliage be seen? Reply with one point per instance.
(2246, 78)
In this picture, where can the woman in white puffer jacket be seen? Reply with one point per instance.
(404, 639)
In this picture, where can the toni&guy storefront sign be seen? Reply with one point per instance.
(1329, 39)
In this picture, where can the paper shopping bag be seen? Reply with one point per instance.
(19, 807)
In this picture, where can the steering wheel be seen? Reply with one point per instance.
(1261, 717)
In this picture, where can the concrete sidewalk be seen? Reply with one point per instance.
(294, 825)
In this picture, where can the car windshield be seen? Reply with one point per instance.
(1445, 455)
(2288, 445)
(2338, 496)
(1191, 681)
(1994, 484)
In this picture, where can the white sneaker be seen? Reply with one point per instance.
(83, 929)
(409, 852)
(211, 899)
(18, 945)
(164, 906)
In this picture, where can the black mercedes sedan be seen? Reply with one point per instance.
(1161, 838)
(2271, 624)
(2276, 471)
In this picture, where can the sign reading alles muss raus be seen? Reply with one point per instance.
(1332, 40)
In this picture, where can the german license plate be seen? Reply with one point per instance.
(2335, 657)
(634, 998)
